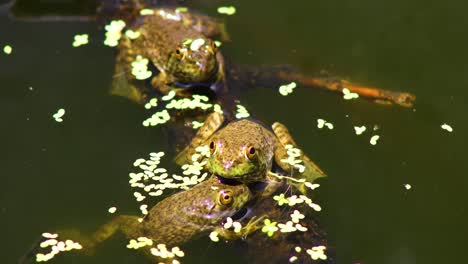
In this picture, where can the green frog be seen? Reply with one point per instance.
(186, 215)
(179, 45)
(245, 151)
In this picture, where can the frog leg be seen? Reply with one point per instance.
(311, 170)
(337, 85)
(252, 226)
(127, 224)
(124, 83)
(212, 123)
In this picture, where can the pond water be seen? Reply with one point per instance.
(61, 175)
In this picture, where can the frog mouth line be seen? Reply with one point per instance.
(227, 181)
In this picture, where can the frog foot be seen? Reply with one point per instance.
(252, 226)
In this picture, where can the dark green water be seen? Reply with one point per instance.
(59, 175)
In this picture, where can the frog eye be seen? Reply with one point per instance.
(225, 197)
(178, 53)
(212, 147)
(250, 152)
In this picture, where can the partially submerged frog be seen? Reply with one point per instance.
(244, 150)
(185, 215)
(179, 45)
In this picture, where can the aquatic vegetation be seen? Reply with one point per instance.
(359, 130)
(58, 116)
(56, 245)
(146, 12)
(140, 68)
(80, 40)
(317, 252)
(348, 95)
(161, 251)
(446, 127)
(112, 210)
(293, 153)
(153, 102)
(281, 199)
(139, 243)
(287, 89)
(407, 186)
(114, 32)
(227, 10)
(196, 44)
(241, 112)
(196, 124)
(214, 236)
(132, 34)
(269, 227)
(374, 139)
(322, 122)
(7, 49)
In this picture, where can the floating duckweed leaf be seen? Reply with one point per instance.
(218, 43)
(293, 153)
(446, 127)
(57, 247)
(114, 32)
(287, 88)
(296, 216)
(132, 34)
(162, 252)
(214, 236)
(157, 118)
(151, 103)
(146, 12)
(227, 10)
(269, 227)
(182, 9)
(196, 44)
(359, 130)
(374, 139)
(196, 124)
(408, 186)
(281, 199)
(317, 252)
(139, 197)
(301, 228)
(7, 49)
(58, 116)
(321, 123)
(140, 68)
(170, 15)
(49, 235)
(139, 243)
(348, 95)
(287, 228)
(169, 96)
(241, 112)
(217, 108)
(312, 186)
(144, 209)
(197, 101)
(112, 210)
(292, 259)
(298, 249)
(80, 40)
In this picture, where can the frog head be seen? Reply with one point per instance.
(194, 61)
(239, 154)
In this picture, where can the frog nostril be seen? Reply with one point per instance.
(227, 164)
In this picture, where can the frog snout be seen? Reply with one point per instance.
(227, 164)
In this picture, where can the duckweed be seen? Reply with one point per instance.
(287, 89)
(80, 40)
(7, 49)
(140, 68)
(241, 112)
(227, 10)
(269, 227)
(374, 139)
(447, 127)
(58, 116)
(348, 95)
(113, 32)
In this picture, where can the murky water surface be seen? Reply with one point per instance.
(59, 175)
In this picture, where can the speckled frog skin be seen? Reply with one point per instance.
(244, 150)
(178, 44)
(182, 216)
